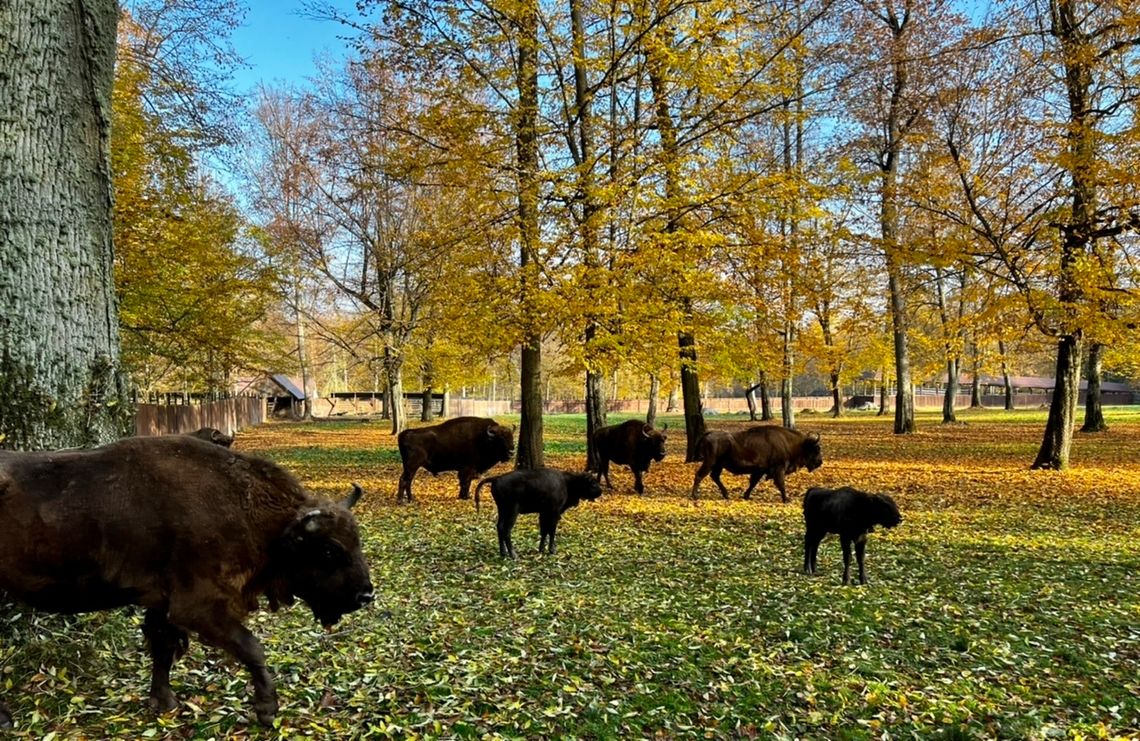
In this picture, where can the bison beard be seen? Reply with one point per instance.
(850, 513)
(190, 531)
(634, 444)
(544, 491)
(761, 452)
(467, 445)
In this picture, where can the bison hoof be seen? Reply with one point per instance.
(265, 711)
(162, 701)
(5, 719)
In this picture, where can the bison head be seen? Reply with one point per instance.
(502, 441)
(582, 486)
(654, 441)
(812, 452)
(319, 560)
(884, 511)
(211, 435)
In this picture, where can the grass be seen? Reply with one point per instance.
(1005, 606)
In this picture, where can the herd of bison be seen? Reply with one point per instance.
(197, 534)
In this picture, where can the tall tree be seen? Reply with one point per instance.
(61, 383)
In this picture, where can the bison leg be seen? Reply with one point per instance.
(860, 551)
(167, 642)
(778, 480)
(506, 522)
(753, 480)
(405, 487)
(604, 470)
(846, 541)
(637, 485)
(243, 645)
(466, 476)
(811, 550)
(547, 525)
(5, 718)
(702, 471)
(720, 484)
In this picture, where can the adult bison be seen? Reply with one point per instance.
(545, 491)
(190, 531)
(468, 445)
(761, 452)
(850, 513)
(634, 444)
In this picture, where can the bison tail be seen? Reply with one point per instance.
(479, 486)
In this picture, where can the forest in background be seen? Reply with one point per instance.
(620, 199)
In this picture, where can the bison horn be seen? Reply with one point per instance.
(664, 426)
(646, 430)
(814, 436)
(309, 521)
(491, 430)
(353, 496)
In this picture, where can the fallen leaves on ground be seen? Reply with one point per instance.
(1005, 605)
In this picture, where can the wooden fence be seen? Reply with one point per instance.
(227, 415)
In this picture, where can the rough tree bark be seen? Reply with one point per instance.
(670, 156)
(1094, 411)
(654, 389)
(976, 385)
(61, 384)
(1005, 377)
(1076, 234)
(953, 360)
(765, 399)
(426, 411)
(530, 447)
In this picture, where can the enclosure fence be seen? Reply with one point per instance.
(227, 415)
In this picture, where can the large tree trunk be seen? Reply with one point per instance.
(1094, 411)
(394, 371)
(750, 397)
(1005, 377)
(530, 447)
(976, 386)
(595, 415)
(302, 358)
(950, 400)
(787, 412)
(426, 411)
(671, 400)
(882, 392)
(765, 399)
(61, 384)
(588, 229)
(690, 395)
(654, 389)
(836, 397)
(1054, 452)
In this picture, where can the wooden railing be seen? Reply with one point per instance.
(227, 415)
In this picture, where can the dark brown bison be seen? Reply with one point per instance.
(186, 529)
(545, 491)
(761, 452)
(851, 514)
(468, 445)
(211, 435)
(634, 444)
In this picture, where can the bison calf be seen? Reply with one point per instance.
(545, 491)
(849, 513)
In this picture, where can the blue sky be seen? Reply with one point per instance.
(281, 46)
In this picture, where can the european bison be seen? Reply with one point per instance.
(211, 435)
(634, 444)
(545, 491)
(469, 445)
(186, 529)
(851, 514)
(761, 452)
